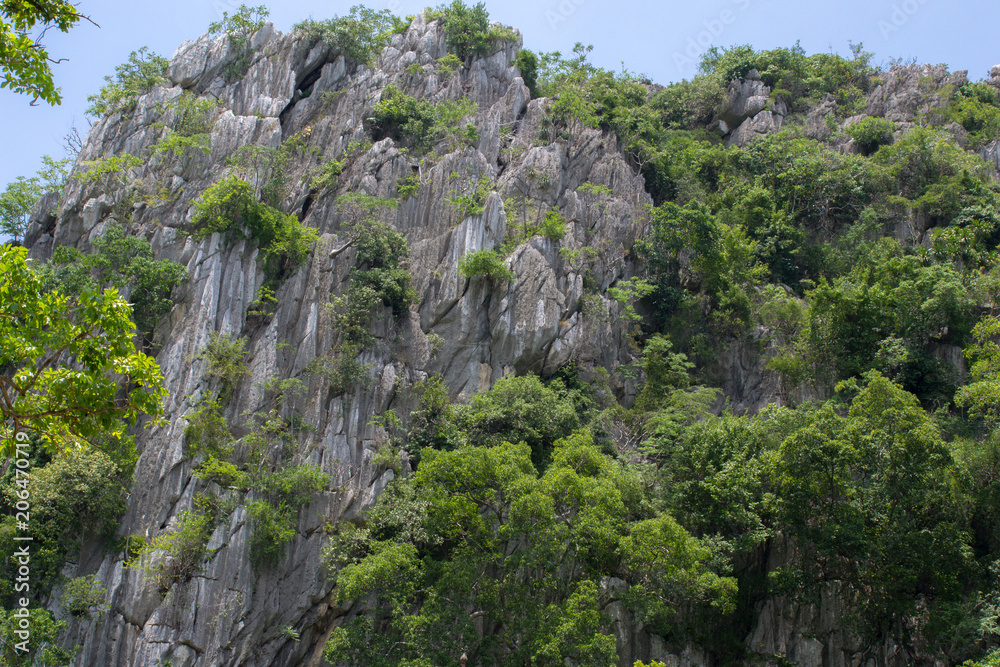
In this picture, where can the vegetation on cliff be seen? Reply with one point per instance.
(851, 256)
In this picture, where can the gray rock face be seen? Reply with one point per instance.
(748, 111)
(471, 332)
(908, 91)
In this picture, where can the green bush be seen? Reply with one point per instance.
(554, 226)
(397, 114)
(125, 262)
(18, 200)
(421, 124)
(189, 131)
(381, 252)
(225, 205)
(240, 29)
(82, 596)
(360, 36)
(379, 275)
(135, 78)
(341, 368)
(43, 647)
(431, 423)
(527, 63)
(74, 498)
(449, 64)
(407, 187)
(519, 409)
(872, 133)
(487, 264)
(224, 473)
(294, 486)
(467, 29)
(193, 115)
(208, 432)
(326, 176)
(801, 77)
(976, 107)
(177, 555)
(471, 199)
(229, 206)
(274, 516)
(225, 360)
(272, 530)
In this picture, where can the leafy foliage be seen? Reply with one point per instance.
(379, 277)
(527, 63)
(175, 556)
(229, 206)
(976, 107)
(480, 527)
(24, 61)
(487, 264)
(125, 263)
(71, 367)
(519, 409)
(74, 498)
(83, 596)
(361, 35)
(240, 29)
(141, 73)
(18, 200)
(226, 361)
(423, 125)
(467, 29)
(871, 133)
(42, 645)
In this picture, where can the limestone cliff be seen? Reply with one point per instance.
(228, 614)
(471, 332)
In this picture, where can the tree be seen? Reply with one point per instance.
(70, 367)
(25, 65)
(124, 262)
(18, 200)
(16, 204)
(477, 528)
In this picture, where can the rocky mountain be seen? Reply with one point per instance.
(470, 331)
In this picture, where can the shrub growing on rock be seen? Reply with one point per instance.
(871, 133)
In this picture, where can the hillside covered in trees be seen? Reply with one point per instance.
(471, 349)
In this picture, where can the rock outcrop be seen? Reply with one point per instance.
(471, 332)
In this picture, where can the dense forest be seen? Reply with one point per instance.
(845, 241)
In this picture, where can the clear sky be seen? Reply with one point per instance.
(659, 39)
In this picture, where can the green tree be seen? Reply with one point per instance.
(137, 76)
(240, 29)
(16, 204)
(361, 35)
(982, 395)
(467, 29)
(126, 263)
(25, 64)
(478, 528)
(519, 409)
(18, 200)
(70, 367)
(43, 645)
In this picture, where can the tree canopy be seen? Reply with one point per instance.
(25, 64)
(70, 367)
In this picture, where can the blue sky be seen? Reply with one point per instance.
(659, 39)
